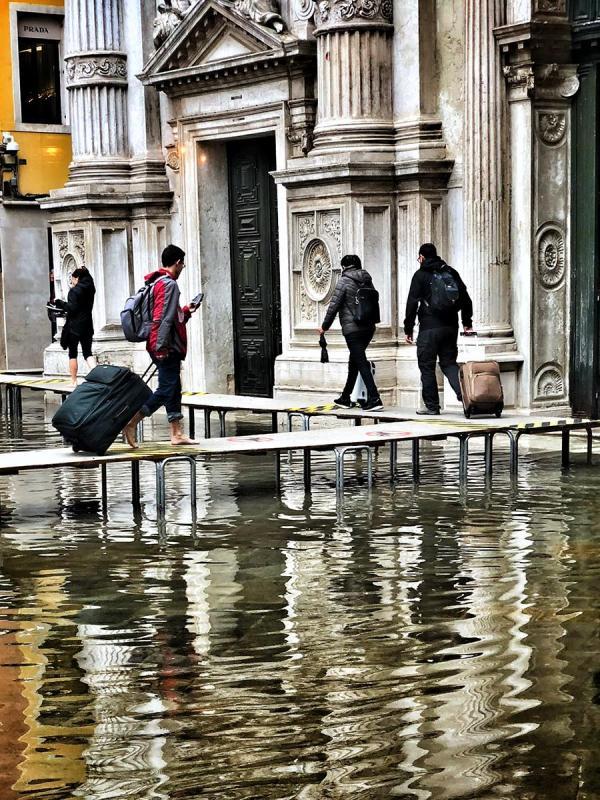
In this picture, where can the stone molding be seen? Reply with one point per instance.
(93, 69)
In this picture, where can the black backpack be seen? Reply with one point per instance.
(445, 294)
(366, 305)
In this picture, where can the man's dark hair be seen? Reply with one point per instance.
(427, 250)
(351, 261)
(79, 272)
(171, 255)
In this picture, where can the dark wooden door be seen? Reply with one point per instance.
(255, 267)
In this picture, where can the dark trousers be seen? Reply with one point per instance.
(434, 344)
(168, 393)
(358, 362)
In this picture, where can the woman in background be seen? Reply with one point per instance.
(79, 328)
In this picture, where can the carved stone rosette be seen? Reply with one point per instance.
(316, 250)
(551, 259)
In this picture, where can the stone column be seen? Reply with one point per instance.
(354, 56)
(96, 70)
(485, 267)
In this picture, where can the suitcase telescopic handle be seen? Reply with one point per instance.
(150, 373)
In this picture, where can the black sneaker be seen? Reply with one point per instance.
(343, 402)
(428, 412)
(373, 405)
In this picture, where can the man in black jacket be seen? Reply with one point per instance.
(438, 328)
(357, 336)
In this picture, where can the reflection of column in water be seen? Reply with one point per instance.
(212, 593)
(122, 738)
(217, 481)
(45, 757)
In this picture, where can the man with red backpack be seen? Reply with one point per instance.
(437, 293)
(166, 345)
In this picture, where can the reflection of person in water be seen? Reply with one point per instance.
(264, 12)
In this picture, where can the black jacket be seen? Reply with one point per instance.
(343, 300)
(419, 296)
(78, 305)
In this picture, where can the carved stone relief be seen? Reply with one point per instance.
(263, 12)
(551, 259)
(306, 229)
(84, 70)
(334, 12)
(552, 126)
(550, 382)
(170, 15)
(551, 6)
(317, 269)
(330, 224)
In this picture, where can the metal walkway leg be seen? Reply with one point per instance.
(161, 489)
(207, 414)
(221, 412)
(274, 422)
(565, 449)
(416, 459)
(489, 455)
(135, 485)
(393, 459)
(103, 479)
(340, 453)
(513, 439)
(278, 471)
(463, 458)
(590, 443)
(192, 422)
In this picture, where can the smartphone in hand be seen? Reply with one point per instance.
(195, 302)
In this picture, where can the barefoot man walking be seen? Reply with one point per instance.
(167, 345)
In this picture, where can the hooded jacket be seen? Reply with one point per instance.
(167, 334)
(78, 305)
(419, 296)
(343, 300)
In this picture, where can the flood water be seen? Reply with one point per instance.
(419, 642)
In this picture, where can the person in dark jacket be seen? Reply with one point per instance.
(166, 345)
(438, 330)
(358, 337)
(79, 325)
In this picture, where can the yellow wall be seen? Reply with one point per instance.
(48, 154)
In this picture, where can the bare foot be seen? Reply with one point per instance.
(176, 441)
(129, 434)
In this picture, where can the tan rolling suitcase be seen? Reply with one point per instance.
(481, 388)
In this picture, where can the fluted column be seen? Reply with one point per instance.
(354, 67)
(486, 259)
(96, 69)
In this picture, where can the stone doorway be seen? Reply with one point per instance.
(254, 264)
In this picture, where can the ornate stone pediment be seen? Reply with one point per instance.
(214, 41)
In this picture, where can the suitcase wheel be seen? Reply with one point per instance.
(468, 413)
(499, 410)
(75, 448)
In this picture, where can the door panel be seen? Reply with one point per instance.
(257, 330)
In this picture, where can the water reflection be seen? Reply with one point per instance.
(420, 645)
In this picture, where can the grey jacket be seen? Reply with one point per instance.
(344, 299)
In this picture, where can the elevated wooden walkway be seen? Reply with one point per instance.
(338, 440)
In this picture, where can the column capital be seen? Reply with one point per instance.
(544, 82)
(348, 14)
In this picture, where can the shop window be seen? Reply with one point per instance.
(39, 76)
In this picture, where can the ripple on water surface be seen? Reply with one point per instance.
(420, 642)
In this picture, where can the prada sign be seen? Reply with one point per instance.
(38, 27)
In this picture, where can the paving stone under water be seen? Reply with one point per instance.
(419, 642)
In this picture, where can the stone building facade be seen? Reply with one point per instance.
(268, 141)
